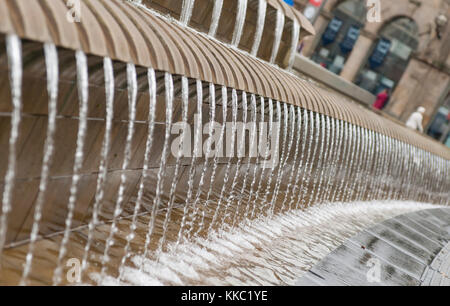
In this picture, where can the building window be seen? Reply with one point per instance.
(390, 56)
(341, 35)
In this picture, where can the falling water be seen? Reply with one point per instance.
(312, 155)
(168, 79)
(266, 147)
(262, 7)
(14, 50)
(344, 165)
(257, 162)
(247, 171)
(51, 61)
(378, 168)
(357, 159)
(216, 13)
(230, 154)
(294, 44)
(83, 91)
(295, 158)
(273, 166)
(103, 168)
(212, 113)
(340, 168)
(240, 21)
(368, 161)
(176, 177)
(132, 97)
(302, 165)
(279, 27)
(219, 149)
(148, 146)
(192, 169)
(336, 139)
(240, 147)
(284, 156)
(318, 176)
(186, 11)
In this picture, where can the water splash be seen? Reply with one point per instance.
(274, 251)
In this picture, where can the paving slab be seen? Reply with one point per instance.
(409, 250)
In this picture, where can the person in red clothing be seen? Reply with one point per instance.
(382, 98)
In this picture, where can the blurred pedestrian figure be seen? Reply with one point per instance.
(415, 121)
(382, 99)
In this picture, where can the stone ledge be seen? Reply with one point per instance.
(307, 67)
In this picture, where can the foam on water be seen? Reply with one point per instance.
(266, 251)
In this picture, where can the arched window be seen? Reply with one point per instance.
(390, 56)
(341, 35)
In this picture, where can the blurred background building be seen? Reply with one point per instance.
(406, 52)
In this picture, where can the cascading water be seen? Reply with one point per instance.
(168, 80)
(240, 143)
(278, 33)
(101, 181)
(294, 43)
(274, 251)
(83, 91)
(186, 11)
(240, 21)
(216, 13)
(262, 7)
(132, 96)
(259, 217)
(13, 47)
(51, 60)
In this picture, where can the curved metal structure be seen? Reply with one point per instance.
(123, 32)
(88, 109)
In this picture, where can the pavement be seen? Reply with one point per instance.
(408, 250)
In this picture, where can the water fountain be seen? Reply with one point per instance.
(91, 111)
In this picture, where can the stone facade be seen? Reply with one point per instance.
(426, 80)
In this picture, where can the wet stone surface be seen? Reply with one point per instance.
(408, 250)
